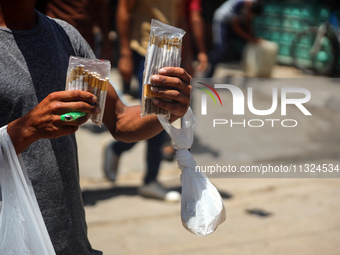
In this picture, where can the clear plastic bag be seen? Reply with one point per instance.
(90, 75)
(164, 49)
(202, 207)
(22, 228)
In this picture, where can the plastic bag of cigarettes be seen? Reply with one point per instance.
(90, 75)
(164, 49)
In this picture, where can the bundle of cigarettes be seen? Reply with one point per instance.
(90, 75)
(164, 49)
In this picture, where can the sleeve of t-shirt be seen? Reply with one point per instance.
(80, 46)
(195, 5)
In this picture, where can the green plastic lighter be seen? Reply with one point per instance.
(72, 116)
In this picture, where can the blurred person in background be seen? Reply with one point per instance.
(232, 27)
(194, 41)
(133, 26)
(101, 18)
(209, 8)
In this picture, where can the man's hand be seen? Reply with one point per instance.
(178, 82)
(44, 121)
(125, 66)
(203, 61)
(126, 123)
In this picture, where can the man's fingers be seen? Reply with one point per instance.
(172, 90)
(176, 108)
(175, 72)
(171, 83)
(173, 78)
(170, 94)
(67, 129)
(60, 108)
(73, 95)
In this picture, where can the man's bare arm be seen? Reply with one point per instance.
(127, 124)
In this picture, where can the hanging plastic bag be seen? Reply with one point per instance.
(22, 228)
(202, 208)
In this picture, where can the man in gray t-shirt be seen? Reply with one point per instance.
(34, 54)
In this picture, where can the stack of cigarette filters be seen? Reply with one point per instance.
(164, 49)
(90, 75)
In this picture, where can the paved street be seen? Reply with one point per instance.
(266, 214)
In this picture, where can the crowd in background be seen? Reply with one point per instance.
(96, 20)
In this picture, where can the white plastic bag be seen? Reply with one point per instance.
(202, 208)
(22, 228)
(259, 59)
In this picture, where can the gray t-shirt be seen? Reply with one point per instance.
(33, 64)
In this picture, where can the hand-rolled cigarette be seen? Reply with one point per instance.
(165, 52)
(71, 80)
(95, 83)
(101, 94)
(92, 83)
(81, 77)
(148, 92)
(68, 80)
(103, 97)
(99, 86)
(150, 59)
(86, 80)
(177, 56)
(77, 78)
(148, 105)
